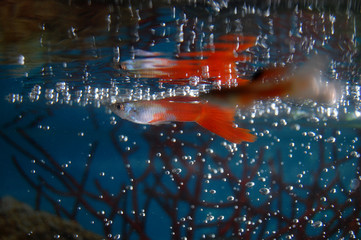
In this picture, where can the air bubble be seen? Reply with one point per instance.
(230, 198)
(265, 191)
(177, 170)
(354, 184)
(317, 224)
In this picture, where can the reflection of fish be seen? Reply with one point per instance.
(218, 120)
(217, 62)
(302, 84)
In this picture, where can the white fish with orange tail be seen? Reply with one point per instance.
(219, 120)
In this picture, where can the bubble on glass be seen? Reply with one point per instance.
(316, 224)
(354, 184)
(177, 170)
(250, 184)
(230, 198)
(212, 191)
(113, 120)
(264, 191)
(209, 218)
(355, 154)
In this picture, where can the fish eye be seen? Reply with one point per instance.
(120, 107)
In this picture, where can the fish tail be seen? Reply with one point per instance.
(219, 120)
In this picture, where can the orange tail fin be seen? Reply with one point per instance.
(219, 120)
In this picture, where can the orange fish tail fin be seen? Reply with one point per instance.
(220, 121)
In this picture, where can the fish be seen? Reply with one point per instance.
(216, 119)
(215, 63)
(298, 85)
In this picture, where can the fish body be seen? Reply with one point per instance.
(216, 119)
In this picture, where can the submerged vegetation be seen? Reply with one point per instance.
(193, 186)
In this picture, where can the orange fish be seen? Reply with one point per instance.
(216, 119)
(217, 62)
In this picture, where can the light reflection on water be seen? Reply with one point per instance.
(61, 66)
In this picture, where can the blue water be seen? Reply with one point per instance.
(64, 152)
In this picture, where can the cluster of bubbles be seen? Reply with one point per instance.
(347, 108)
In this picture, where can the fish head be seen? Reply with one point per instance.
(125, 110)
(132, 111)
